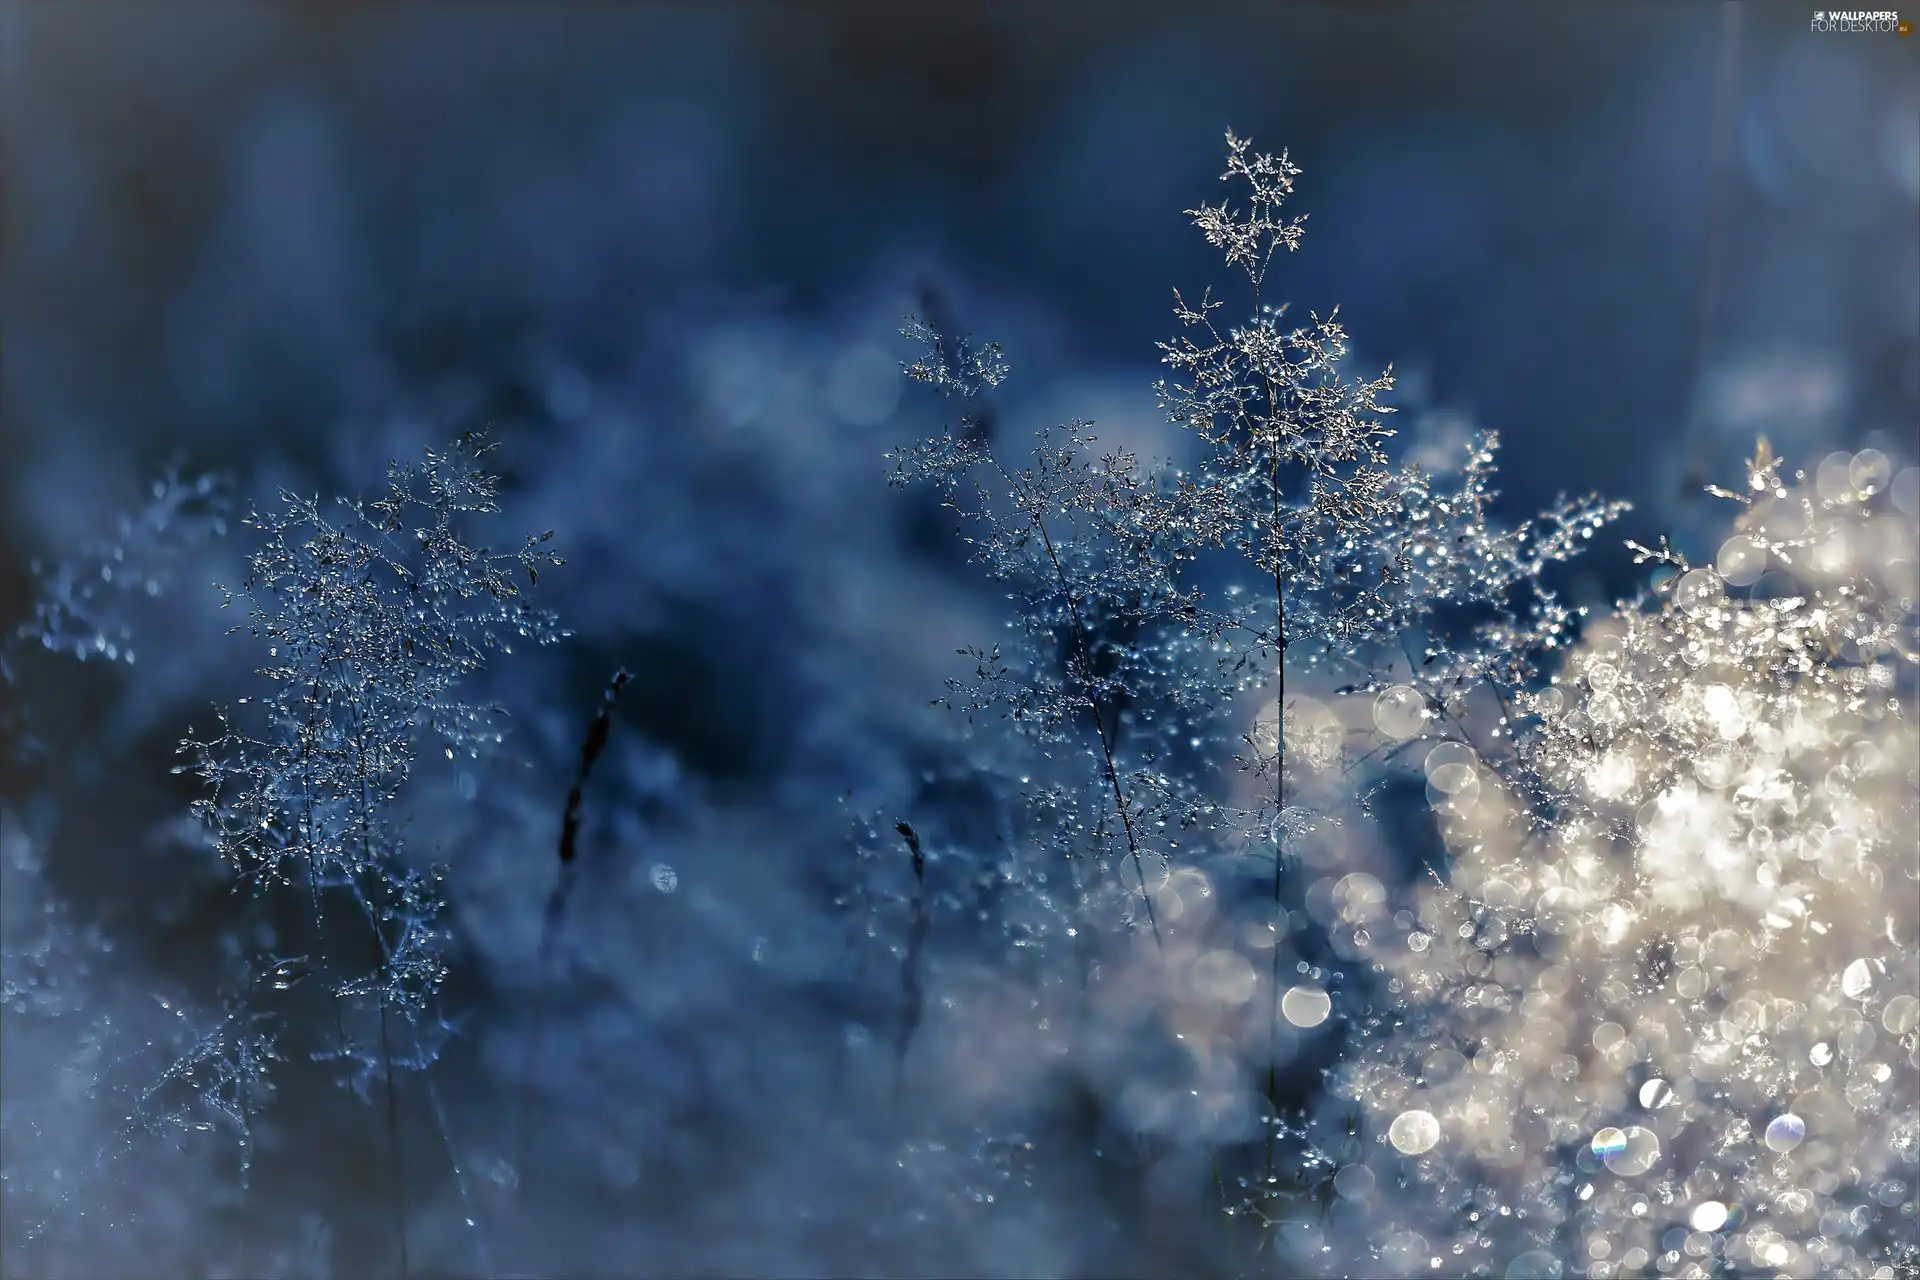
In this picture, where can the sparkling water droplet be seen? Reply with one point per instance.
(1697, 589)
(1535, 1264)
(1627, 1152)
(1305, 1006)
(1400, 712)
(1785, 1132)
(1414, 1132)
(1354, 1182)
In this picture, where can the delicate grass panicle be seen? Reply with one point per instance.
(371, 615)
(1162, 611)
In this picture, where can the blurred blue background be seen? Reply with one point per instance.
(664, 250)
(243, 231)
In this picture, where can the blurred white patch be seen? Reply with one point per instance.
(1414, 1132)
(1440, 442)
(1451, 767)
(1305, 1006)
(1354, 1182)
(1906, 491)
(1741, 560)
(1785, 394)
(1314, 733)
(1399, 711)
(1223, 976)
(1186, 895)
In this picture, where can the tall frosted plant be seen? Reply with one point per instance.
(372, 614)
(1162, 610)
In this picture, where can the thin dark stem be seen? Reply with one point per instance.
(913, 999)
(314, 873)
(1279, 778)
(310, 832)
(591, 748)
(453, 1160)
(246, 1134)
(396, 1168)
(1100, 727)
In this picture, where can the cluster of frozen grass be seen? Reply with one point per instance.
(1652, 1010)
(369, 616)
(1145, 927)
